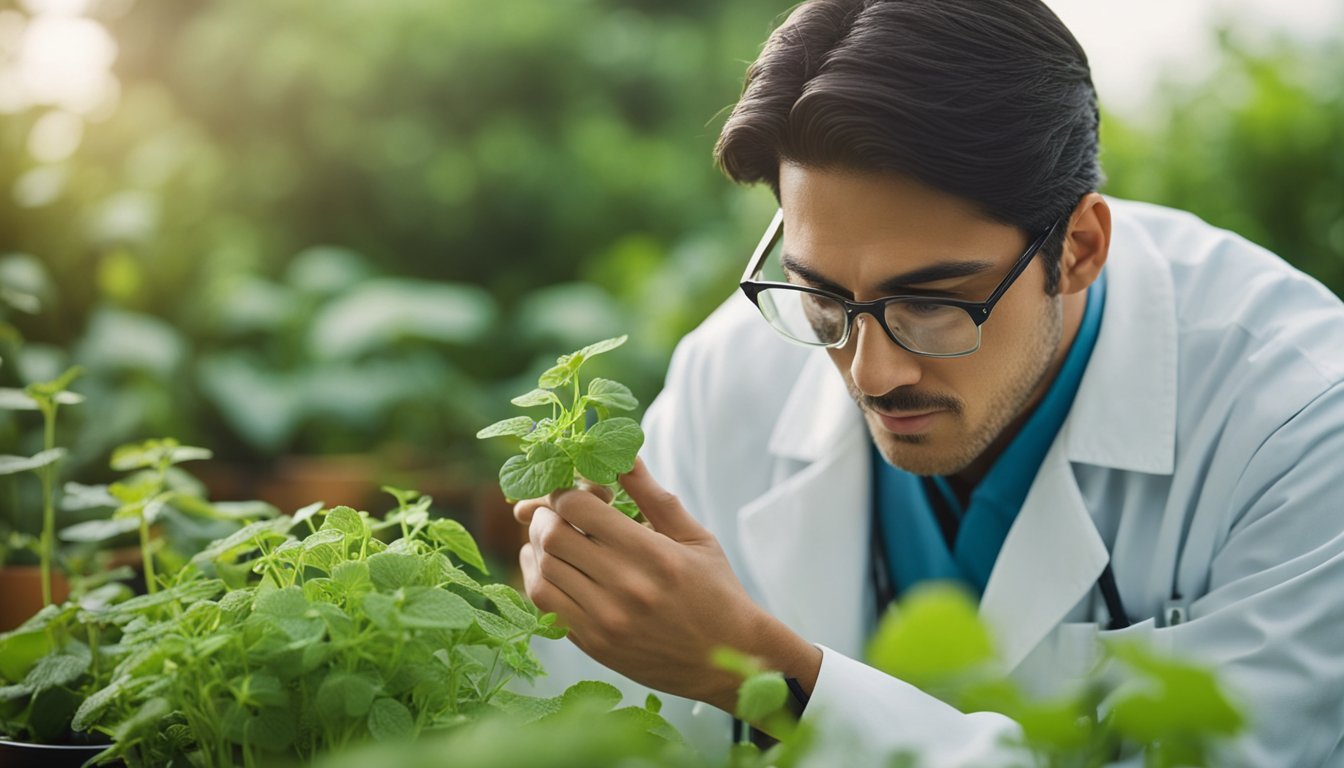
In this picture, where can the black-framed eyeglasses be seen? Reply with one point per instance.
(923, 325)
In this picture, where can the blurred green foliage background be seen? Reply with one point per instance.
(313, 227)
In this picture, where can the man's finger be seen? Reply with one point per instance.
(661, 508)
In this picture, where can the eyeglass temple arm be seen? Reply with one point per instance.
(763, 248)
(1018, 268)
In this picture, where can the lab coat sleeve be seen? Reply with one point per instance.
(868, 717)
(1271, 621)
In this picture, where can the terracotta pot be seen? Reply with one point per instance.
(18, 754)
(21, 594)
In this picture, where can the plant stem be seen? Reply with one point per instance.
(146, 557)
(48, 542)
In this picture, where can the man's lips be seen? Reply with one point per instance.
(906, 423)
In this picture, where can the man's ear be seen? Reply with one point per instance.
(1085, 244)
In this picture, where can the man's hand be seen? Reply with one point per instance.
(651, 604)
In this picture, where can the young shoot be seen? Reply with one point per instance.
(562, 449)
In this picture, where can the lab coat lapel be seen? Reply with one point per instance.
(805, 540)
(1050, 560)
(1123, 417)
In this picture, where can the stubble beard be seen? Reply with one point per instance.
(913, 453)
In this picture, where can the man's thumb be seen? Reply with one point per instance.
(661, 508)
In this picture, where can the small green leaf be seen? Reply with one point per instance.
(598, 348)
(346, 520)
(761, 696)
(404, 498)
(514, 427)
(653, 704)
(433, 608)
(560, 374)
(544, 469)
(536, 397)
(453, 536)
(79, 497)
(57, 669)
(307, 512)
(392, 570)
(51, 390)
(344, 694)
(611, 394)
(593, 694)
(11, 465)
(390, 720)
(606, 451)
(153, 453)
(933, 636)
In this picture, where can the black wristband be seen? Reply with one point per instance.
(800, 697)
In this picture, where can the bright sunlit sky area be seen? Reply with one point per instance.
(1133, 44)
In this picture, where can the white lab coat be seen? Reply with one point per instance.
(1204, 452)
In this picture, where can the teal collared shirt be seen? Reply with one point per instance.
(916, 549)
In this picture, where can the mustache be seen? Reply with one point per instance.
(907, 400)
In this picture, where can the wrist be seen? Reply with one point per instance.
(782, 650)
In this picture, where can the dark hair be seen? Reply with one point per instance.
(988, 100)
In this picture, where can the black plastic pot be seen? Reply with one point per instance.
(18, 754)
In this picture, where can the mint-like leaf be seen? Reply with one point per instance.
(611, 394)
(536, 397)
(514, 427)
(544, 469)
(607, 450)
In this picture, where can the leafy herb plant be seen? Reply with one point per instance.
(563, 448)
(276, 644)
(46, 397)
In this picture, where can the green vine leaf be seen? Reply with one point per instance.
(536, 397)
(544, 469)
(607, 450)
(518, 426)
(611, 394)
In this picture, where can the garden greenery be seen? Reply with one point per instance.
(562, 448)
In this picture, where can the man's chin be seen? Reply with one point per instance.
(917, 454)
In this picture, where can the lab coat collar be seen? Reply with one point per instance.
(806, 539)
(1124, 415)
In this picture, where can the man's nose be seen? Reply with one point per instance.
(879, 364)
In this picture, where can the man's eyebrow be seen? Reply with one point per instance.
(943, 270)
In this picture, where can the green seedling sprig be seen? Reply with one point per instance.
(46, 397)
(560, 450)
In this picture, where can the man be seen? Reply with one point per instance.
(1102, 417)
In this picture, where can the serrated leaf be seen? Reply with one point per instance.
(324, 537)
(390, 720)
(606, 451)
(346, 520)
(95, 705)
(611, 394)
(536, 397)
(244, 539)
(57, 669)
(392, 570)
(453, 536)
(11, 465)
(433, 608)
(544, 469)
(514, 427)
